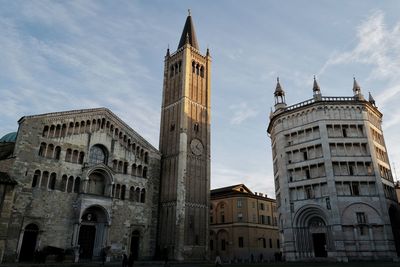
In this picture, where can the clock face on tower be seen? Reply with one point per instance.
(197, 147)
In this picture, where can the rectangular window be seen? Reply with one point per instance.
(361, 219)
(270, 243)
(223, 244)
(262, 219)
(239, 203)
(240, 217)
(309, 192)
(277, 243)
(211, 245)
(355, 190)
(262, 206)
(240, 242)
(264, 243)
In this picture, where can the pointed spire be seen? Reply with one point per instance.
(316, 88)
(371, 99)
(278, 90)
(188, 33)
(356, 87)
(208, 52)
(167, 55)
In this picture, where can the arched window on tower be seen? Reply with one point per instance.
(63, 130)
(143, 196)
(68, 155)
(42, 149)
(123, 192)
(45, 131)
(57, 152)
(133, 172)
(63, 185)
(117, 191)
(137, 195)
(81, 157)
(50, 151)
(45, 179)
(194, 67)
(98, 154)
(132, 193)
(144, 172)
(77, 185)
(202, 72)
(36, 178)
(70, 128)
(52, 130)
(52, 182)
(58, 130)
(70, 184)
(75, 155)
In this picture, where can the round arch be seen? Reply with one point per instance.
(99, 181)
(303, 216)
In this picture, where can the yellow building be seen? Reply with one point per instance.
(243, 225)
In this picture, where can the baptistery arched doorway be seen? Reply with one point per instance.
(92, 232)
(312, 233)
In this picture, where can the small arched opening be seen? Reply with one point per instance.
(29, 242)
(135, 244)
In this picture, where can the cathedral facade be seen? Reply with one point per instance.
(333, 182)
(84, 182)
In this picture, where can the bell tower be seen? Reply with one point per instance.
(185, 147)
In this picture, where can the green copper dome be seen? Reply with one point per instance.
(10, 138)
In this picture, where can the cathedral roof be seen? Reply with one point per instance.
(86, 112)
(188, 34)
(9, 138)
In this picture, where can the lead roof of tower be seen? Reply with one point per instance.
(278, 90)
(316, 86)
(370, 98)
(356, 87)
(190, 33)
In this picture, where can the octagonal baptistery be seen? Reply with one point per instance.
(87, 183)
(334, 188)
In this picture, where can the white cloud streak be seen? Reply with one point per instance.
(241, 112)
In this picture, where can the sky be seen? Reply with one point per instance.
(65, 55)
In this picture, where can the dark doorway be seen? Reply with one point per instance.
(135, 244)
(29, 242)
(87, 234)
(394, 214)
(319, 242)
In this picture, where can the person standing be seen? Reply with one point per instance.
(218, 262)
(130, 260)
(124, 260)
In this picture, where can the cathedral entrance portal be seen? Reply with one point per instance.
(92, 232)
(29, 242)
(87, 234)
(135, 244)
(319, 242)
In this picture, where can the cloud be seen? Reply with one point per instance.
(241, 112)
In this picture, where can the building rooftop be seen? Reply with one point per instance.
(9, 138)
